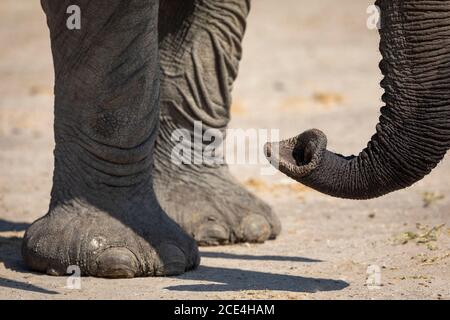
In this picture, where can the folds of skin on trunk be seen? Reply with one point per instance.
(413, 133)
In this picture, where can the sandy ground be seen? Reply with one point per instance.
(307, 64)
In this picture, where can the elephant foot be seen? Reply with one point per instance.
(209, 204)
(124, 242)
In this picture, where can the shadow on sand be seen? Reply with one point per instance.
(7, 226)
(224, 279)
(223, 255)
(227, 279)
(11, 258)
(10, 245)
(13, 284)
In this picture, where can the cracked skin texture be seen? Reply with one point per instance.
(200, 57)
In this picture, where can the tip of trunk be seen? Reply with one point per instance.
(299, 156)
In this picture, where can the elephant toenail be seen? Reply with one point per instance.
(255, 228)
(172, 260)
(212, 233)
(117, 263)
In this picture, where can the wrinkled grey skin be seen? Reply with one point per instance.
(413, 134)
(112, 168)
(200, 58)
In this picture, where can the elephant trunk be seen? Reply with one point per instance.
(413, 133)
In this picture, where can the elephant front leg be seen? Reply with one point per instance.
(104, 216)
(200, 42)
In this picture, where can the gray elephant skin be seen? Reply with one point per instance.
(139, 69)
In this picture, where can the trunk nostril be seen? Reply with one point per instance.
(303, 156)
(308, 146)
